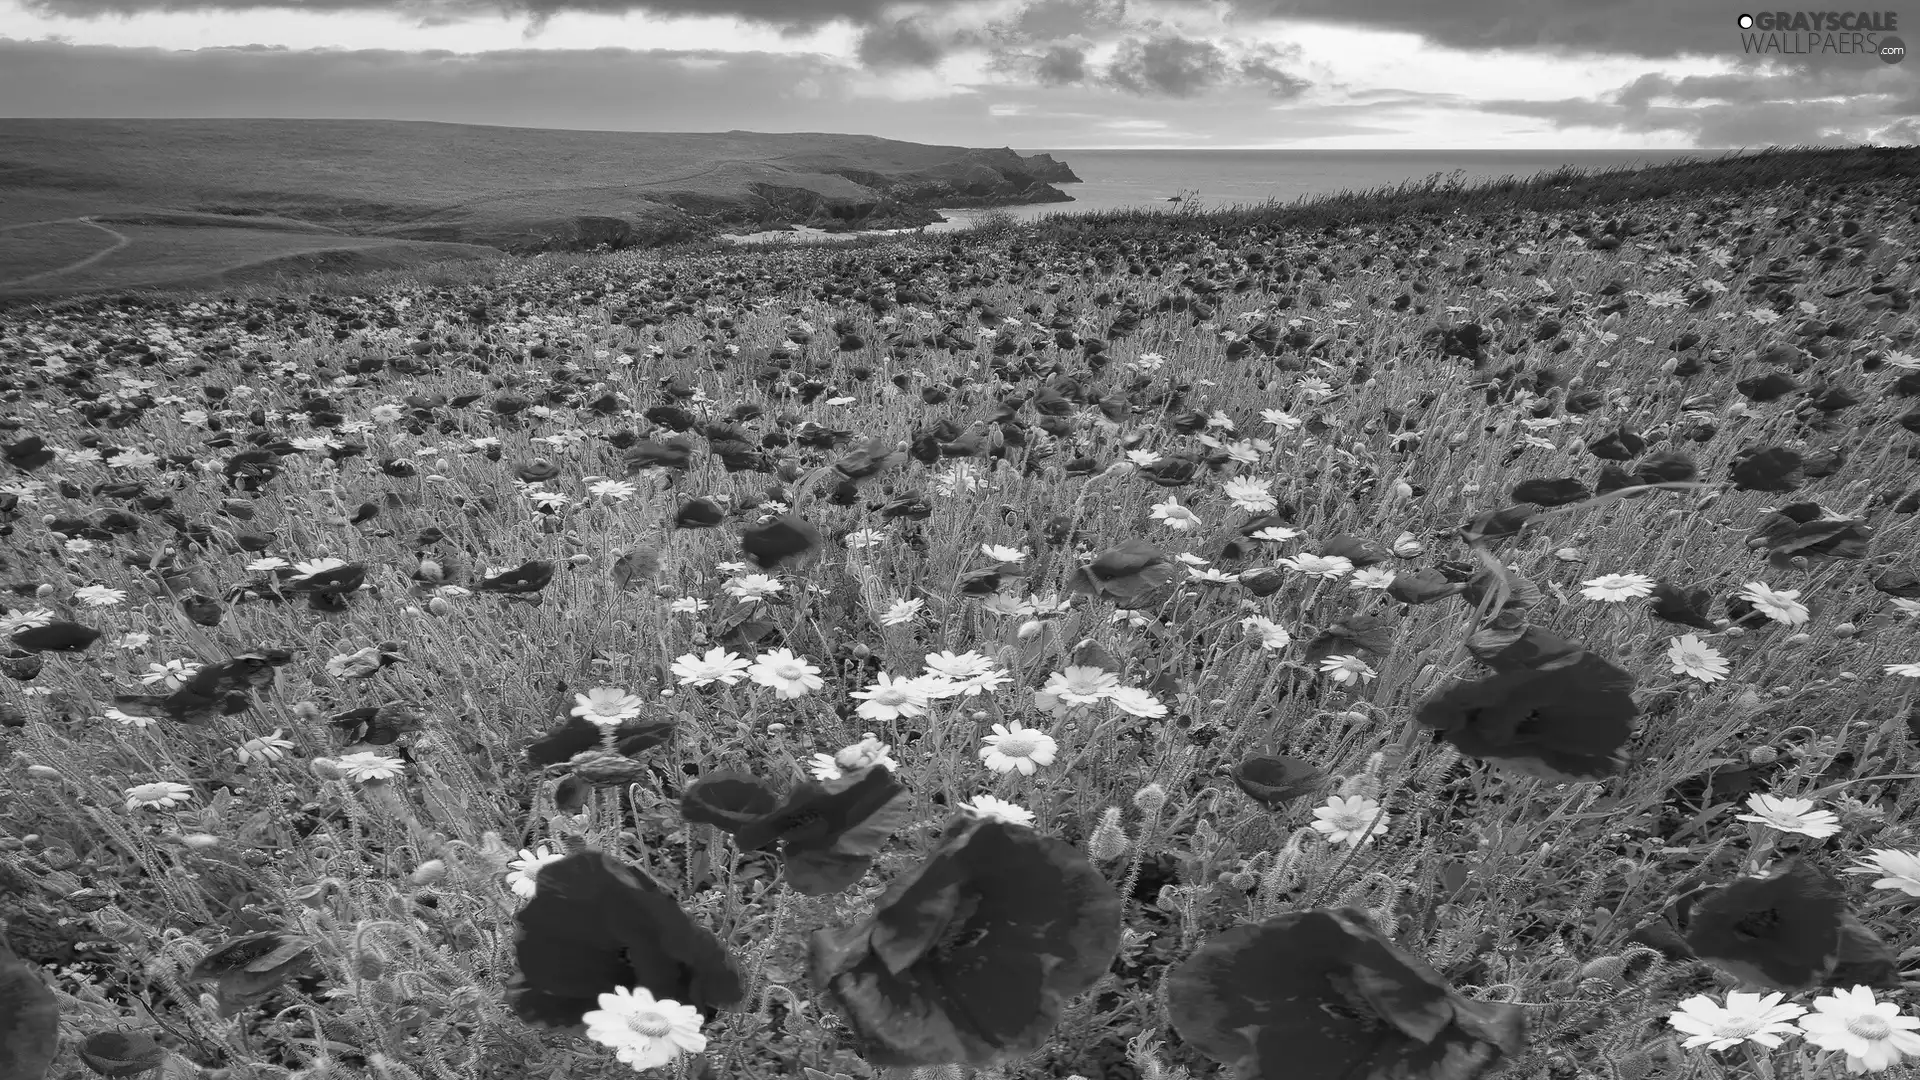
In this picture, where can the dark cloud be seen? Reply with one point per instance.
(1650, 28)
(1267, 67)
(1167, 64)
(787, 13)
(1753, 107)
(903, 43)
(1054, 20)
(1061, 65)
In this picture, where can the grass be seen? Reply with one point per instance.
(1514, 890)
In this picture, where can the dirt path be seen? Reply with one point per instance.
(120, 240)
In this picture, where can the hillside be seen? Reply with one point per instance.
(296, 186)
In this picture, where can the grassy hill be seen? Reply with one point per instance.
(165, 198)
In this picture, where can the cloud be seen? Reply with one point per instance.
(1167, 64)
(786, 13)
(1055, 20)
(1648, 28)
(903, 43)
(1756, 106)
(1061, 65)
(1263, 68)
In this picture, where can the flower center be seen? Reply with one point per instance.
(1017, 745)
(650, 1024)
(889, 697)
(1870, 1026)
(789, 671)
(1737, 1028)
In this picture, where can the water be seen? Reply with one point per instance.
(1118, 179)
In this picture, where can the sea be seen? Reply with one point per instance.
(1149, 179)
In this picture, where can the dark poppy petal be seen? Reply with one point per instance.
(529, 577)
(56, 637)
(1782, 930)
(1551, 492)
(1274, 780)
(788, 536)
(728, 800)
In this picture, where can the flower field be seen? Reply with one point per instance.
(1457, 633)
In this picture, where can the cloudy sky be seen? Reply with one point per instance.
(1021, 73)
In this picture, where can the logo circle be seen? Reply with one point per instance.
(1892, 50)
(1746, 22)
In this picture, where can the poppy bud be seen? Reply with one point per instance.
(326, 769)
(1799, 639)
(1030, 628)
(430, 572)
(1762, 755)
(429, 872)
(44, 772)
(1150, 799)
(1845, 630)
(439, 605)
(1109, 841)
(45, 590)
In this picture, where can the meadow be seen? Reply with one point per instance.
(1444, 632)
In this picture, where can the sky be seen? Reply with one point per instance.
(1055, 74)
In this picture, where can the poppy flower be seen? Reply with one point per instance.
(1274, 780)
(868, 459)
(30, 1037)
(247, 969)
(1356, 633)
(1619, 445)
(579, 735)
(1422, 587)
(1808, 530)
(1324, 993)
(595, 924)
(59, 636)
(971, 958)
(635, 567)
(1782, 930)
(728, 800)
(1125, 573)
(1558, 492)
(28, 454)
(649, 454)
(829, 831)
(1568, 720)
(1496, 525)
(786, 537)
(379, 725)
(1770, 468)
(1682, 606)
(1768, 387)
(118, 1053)
(529, 577)
(1356, 550)
(699, 514)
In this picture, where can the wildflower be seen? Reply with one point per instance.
(752, 588)
(1211, 576)
(1695, 658)
(1078, 685)
(526, 869)
(316, 567)
(131, 720)
(263, 748)
(1271, 634)
(789, 677)
(861, 539)
(1371, 577)
(901, 612)
(171, 675)
(615, 490)
(548, 500)
(1175, 516)
(1013, 747)
(368, 766)
(1569, 722)
(1275, 534)
(1345, 670)
(868, 753)
(1791, 815)
(360, 664)
(717, 666)
(100, 596)
(988, 808)
(1614, 588)
(131, 640)
(645, 1032)
(1001, 554)
(1251, 495)
(1137, 702)
(1143, 459)
(1783, 930)
(890, 699)
(1873, 1034)
(971, 673)
(270, 563)
(1351, 820)
(160, 795)
(1759, 1019)
(1281, 419)
(1908, 671)
(1782, 606)
(1276, 779)
(1901, 870)
(606, 706)
(1331, 567)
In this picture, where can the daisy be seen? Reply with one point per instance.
(972, 673)
(988, 808)
(271, 562)
(1250, 495)
(645, 1032)
(79, 546)
(171, 675)
(607, 706)
(789, 677)
(1002, 554)
(1614, 588)
(615, 490)
(752, 588)
(1080, 685)
(1907, 607)
(526, 869)
(901, 612)
(313, 567)
(133, 639)
(866, 754)
(1013, 747)
(687, 605)
(717, 666)
(263, 748)
(1872, 1034)
(1143, 459)
(890, 699)
(1345, 670)
(1137, 702)
(1271, 634)
(1351, 820)
(861, 539)
(1371, 577)
(1211, 576)
(1909, 671)
(1761, 1020)
(1174, 516)
(1276, 534)
(354, 665)
(368, 766)
(1281, 419)
(1331, 567)
(1790, 815)
(1901, 870)
(127, 719)
(100, 596)
(1695, 658)
(160, 795)
(1783, 606)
